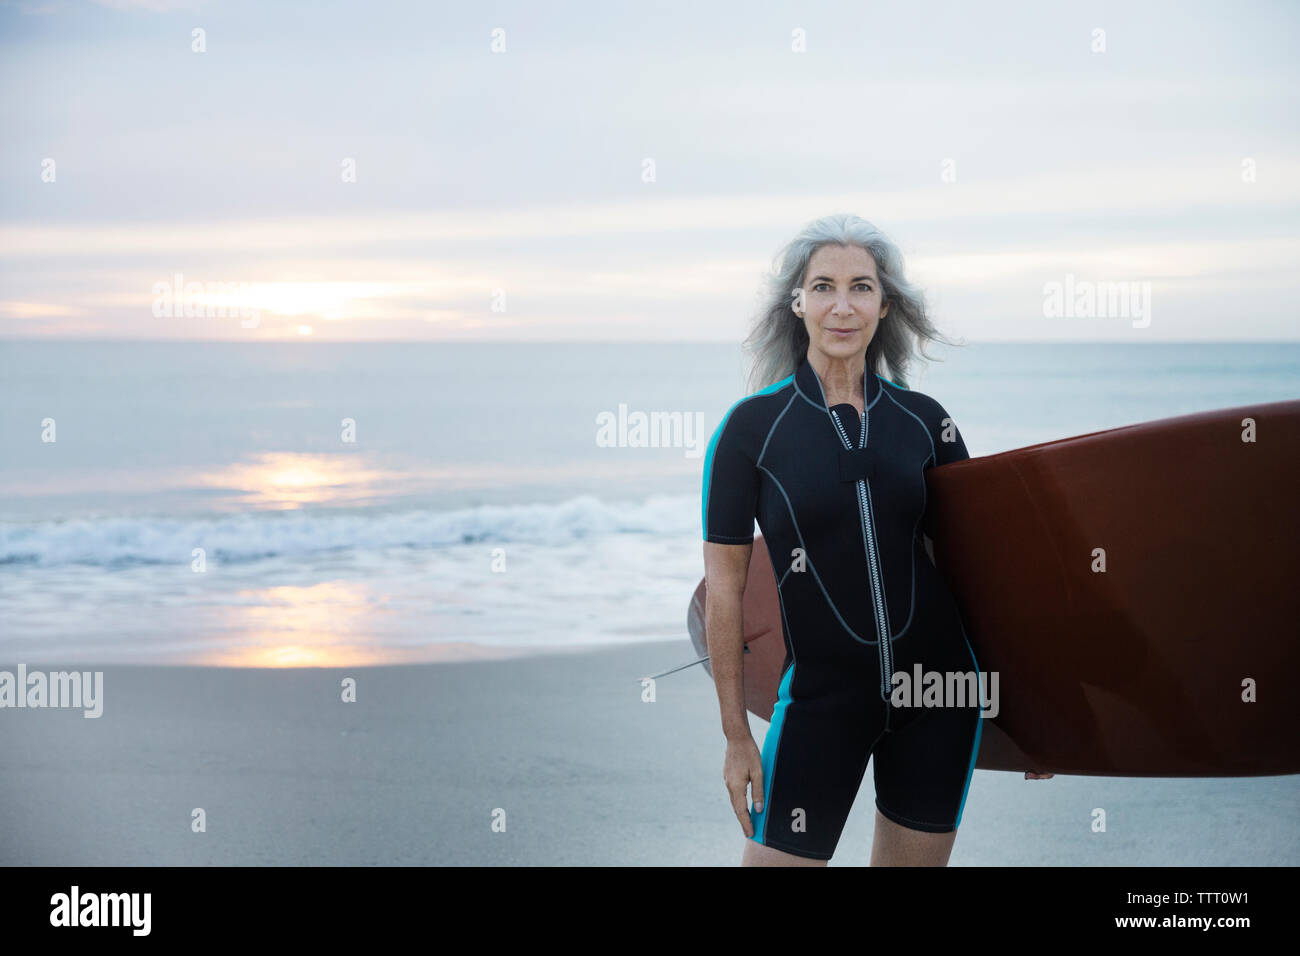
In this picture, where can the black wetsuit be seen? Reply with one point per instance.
(842, 510)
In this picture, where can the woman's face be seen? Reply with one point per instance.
(841, 301)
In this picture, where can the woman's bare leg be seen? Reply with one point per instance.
(896, 845)
(758, 855)
(893, 845)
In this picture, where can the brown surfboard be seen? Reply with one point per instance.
(1137, 591)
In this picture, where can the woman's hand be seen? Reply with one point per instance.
(743, 768)
(1031, 775)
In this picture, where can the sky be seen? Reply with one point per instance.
(430, 171)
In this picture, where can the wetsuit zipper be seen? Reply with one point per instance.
(873, 566)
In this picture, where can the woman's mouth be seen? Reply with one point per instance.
(841, 333)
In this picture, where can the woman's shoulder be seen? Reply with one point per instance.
(752, 413)
(945, 437)
(921, 406)
(909, 398)
(764, 400)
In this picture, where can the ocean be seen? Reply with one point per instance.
(312, 504)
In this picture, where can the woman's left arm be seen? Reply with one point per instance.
(948, 448)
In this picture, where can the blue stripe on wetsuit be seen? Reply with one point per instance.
(770, 744)
(979, 729)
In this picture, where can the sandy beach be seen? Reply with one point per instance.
(585, 771)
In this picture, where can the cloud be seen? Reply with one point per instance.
(156, 6)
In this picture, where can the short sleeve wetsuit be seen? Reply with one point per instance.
(841, 502)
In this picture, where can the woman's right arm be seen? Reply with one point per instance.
(726, 567)
(730, 499)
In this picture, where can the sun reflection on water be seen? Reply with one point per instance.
(330, 624)
(287, 480)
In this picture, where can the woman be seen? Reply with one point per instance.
(830, 458)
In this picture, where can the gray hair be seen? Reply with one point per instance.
(779, 341)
